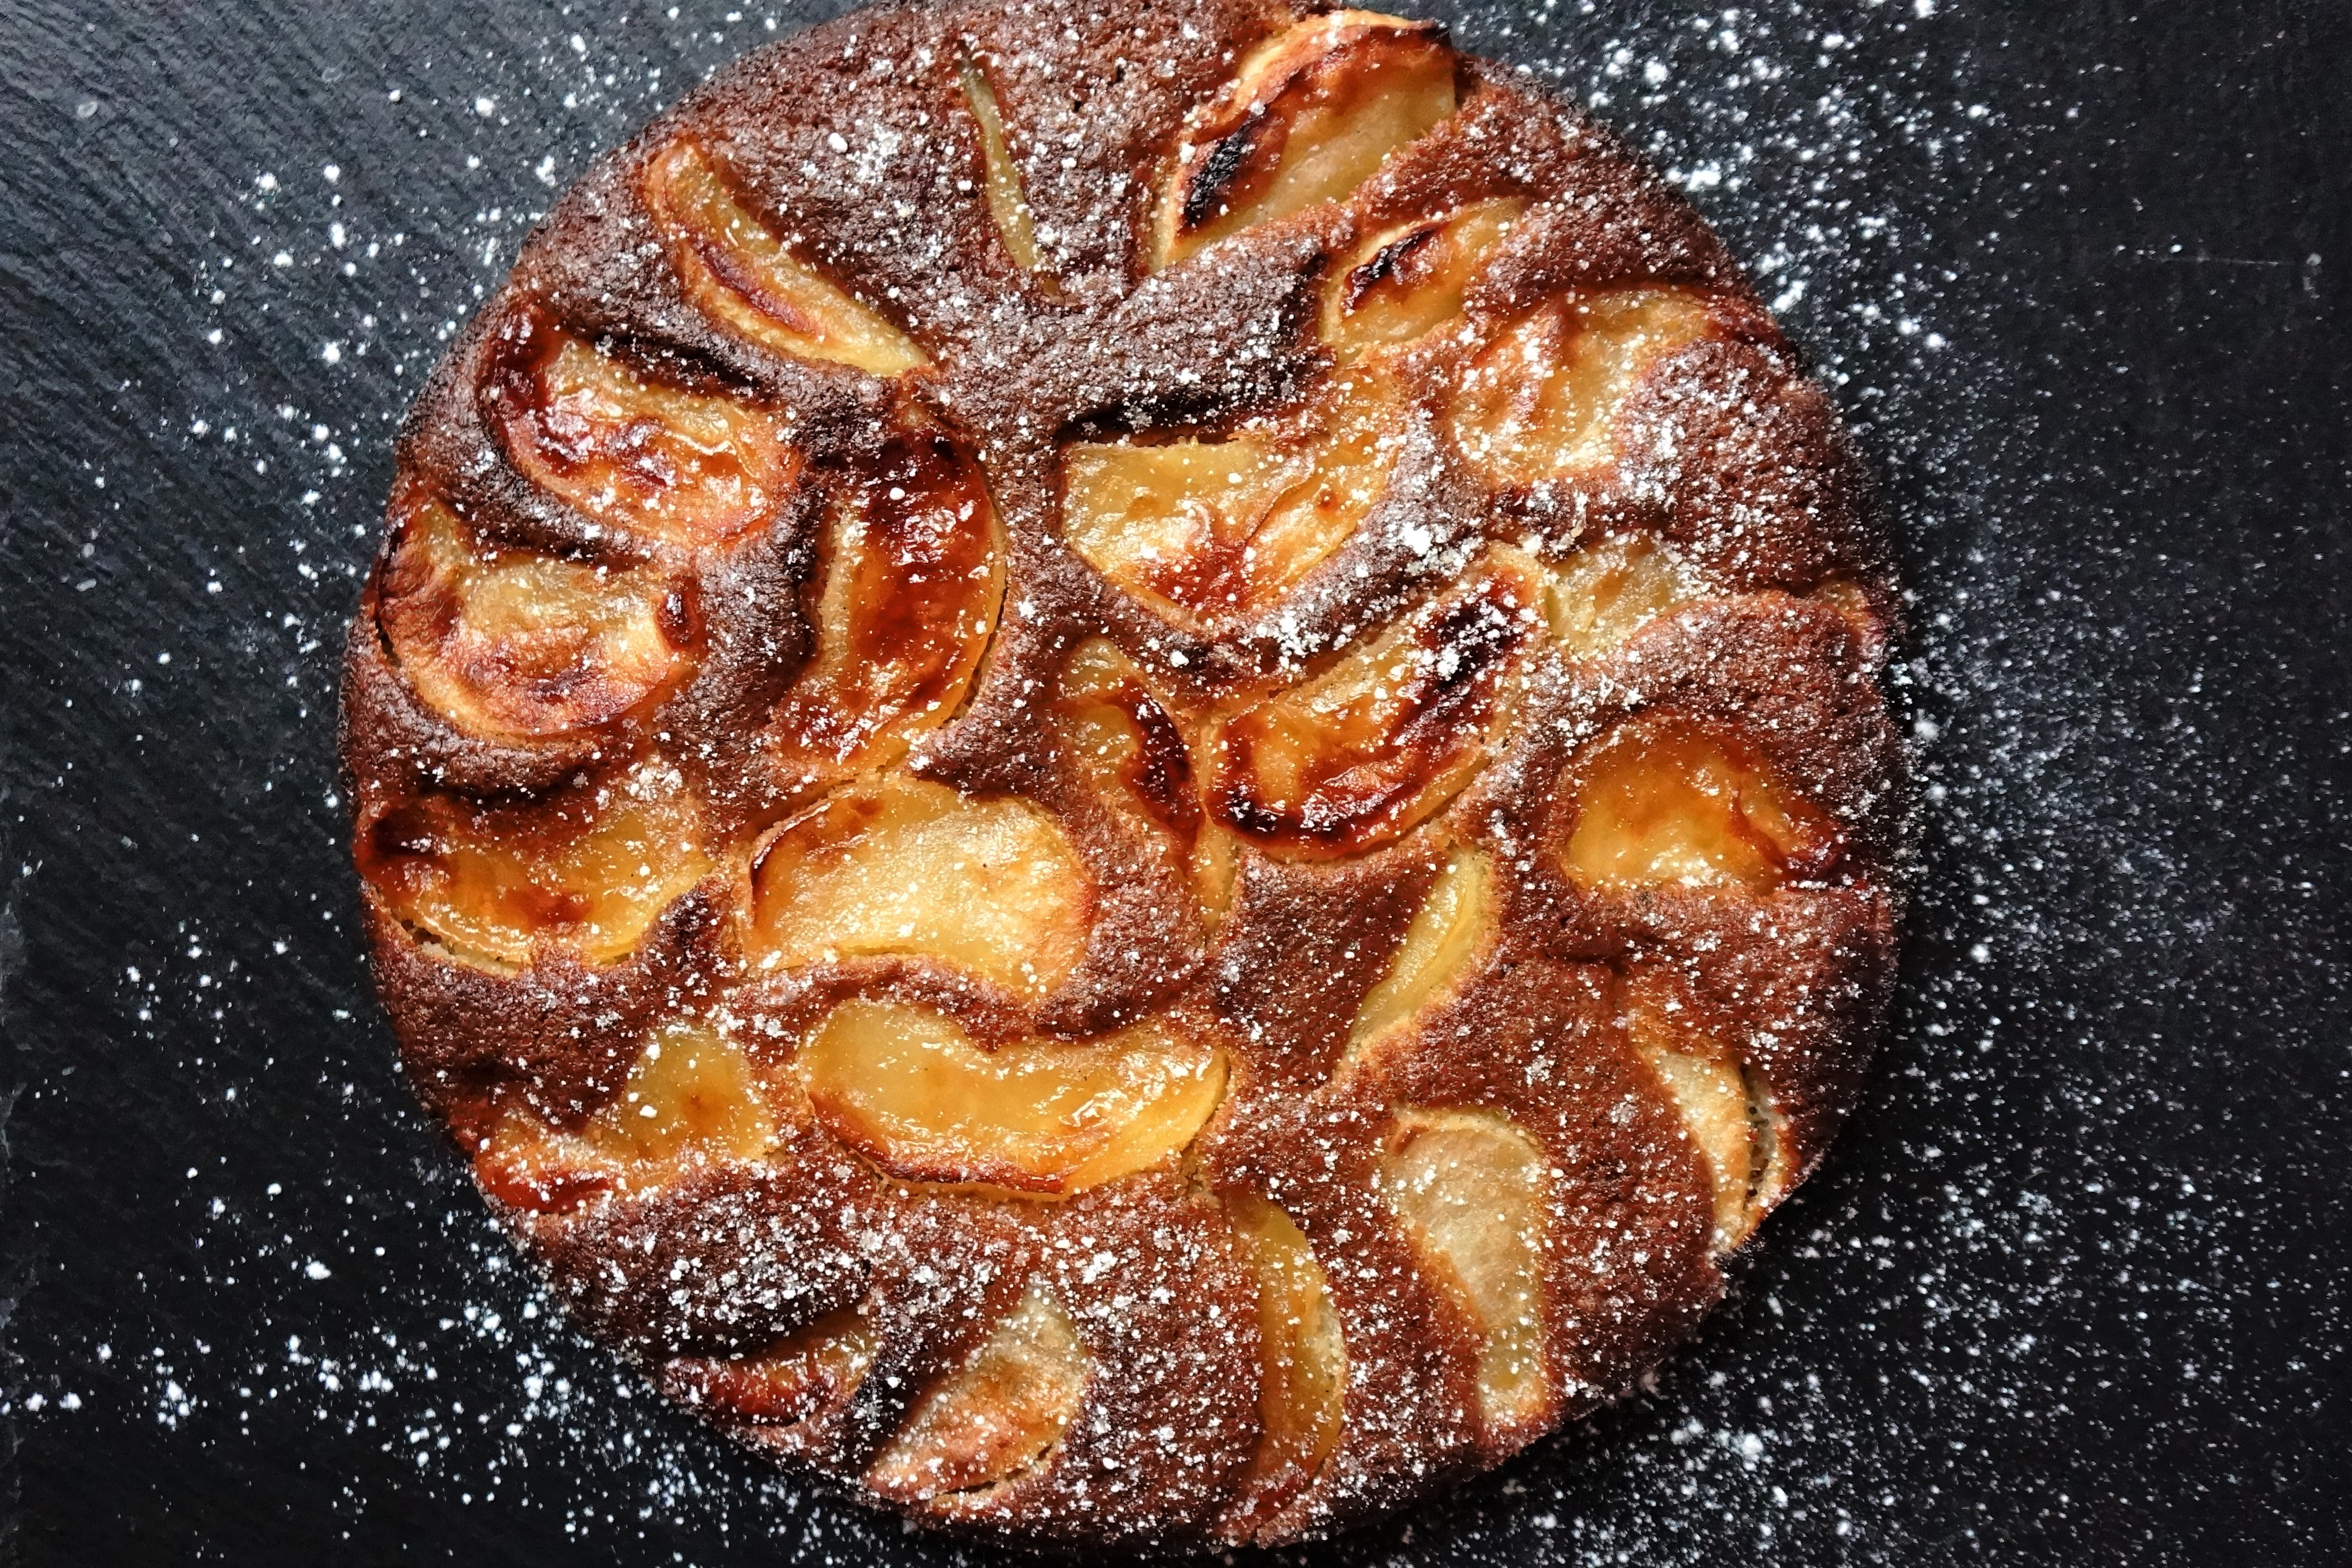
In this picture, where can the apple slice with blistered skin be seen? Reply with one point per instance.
(1666, 801)
(1469, 1188)
(511, 643)
(1126, 740)
(909, 1090)
(998, 1415)
(738, 273)
(1312, 114)
(591, 866)
(1403, 284)
(893, 867)
(685, 468)
(914, 576)
(1539, 401)
(690, 1097)
(1303, 1392)
(1372, 746)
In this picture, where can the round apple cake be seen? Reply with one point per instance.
(1122, 768)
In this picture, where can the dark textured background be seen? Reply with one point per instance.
(2072, 1288)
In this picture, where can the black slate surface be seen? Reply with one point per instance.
(2072, 1288)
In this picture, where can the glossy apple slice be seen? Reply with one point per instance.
(737, 272)
(1401, 285)
(814, 1368)
(512, 643)
(687, 468)
(1303, 1390)
(691, 1096)
(914, 573)
(591, 867)
(1311, 115)
(1540, 401)
(1384, 737)
(909, 1090)
(1008, 201)
(1469, 1187)
(1126, 740)
(1605, 592)
(997, 1415)
(1208, 529)
(1667, 802)
(1451, 927)
(905, 866)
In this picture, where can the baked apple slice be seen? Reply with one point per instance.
(1312, 113)
(1403, 284)
(1206, 530)
(1704, 1077)
(1008, 199)
(591, 867)
(908, 1088)
(739, 273)
(1126, 740)
(906, 867)
(1450, 930)
(1469, 1188)
(508, 642)
(1539, 401)
(914, 574)
(1608, 591)
(1304, 1389)
(1666, 801)
(996, 1416)
(1362, 752)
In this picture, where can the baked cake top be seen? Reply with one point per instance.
(1124, 775)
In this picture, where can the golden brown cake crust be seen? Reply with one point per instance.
(695, 589)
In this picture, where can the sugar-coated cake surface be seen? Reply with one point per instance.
(1123, 771)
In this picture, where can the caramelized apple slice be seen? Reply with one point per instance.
(738, 273)
(910, 867)
(1470, 1189)
(690, 1097)
(1126, 740)
(1604, 594)
(591, 866)
(1383, 738)
(913, 578)
(687, 468)
(1711, 1093)
(1401, 284)
(1311, 115)
(1448, 930)
(814, 1368)
(1304, 1386)
(1540, 401)
(508, 642)
(998, 1415)
(1669, 802)
(1203, 529)
(1008, 202)
(909, 1090)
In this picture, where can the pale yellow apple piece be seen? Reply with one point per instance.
(1401, 284)
(997, 1415)
(690, 467)
(1304, 1385)
(906, 866)
(1607, 591)
(1665, 801)
(736, 269)
(511, 642)
(1455, 919)
(1311, 115)
(593, 866)
(1540, 401)
(1470, 1188)
(911, 1091)
(1008, 202)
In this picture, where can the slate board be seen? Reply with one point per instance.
(2072, 1288)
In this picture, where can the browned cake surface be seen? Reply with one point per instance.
(1125, 776)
